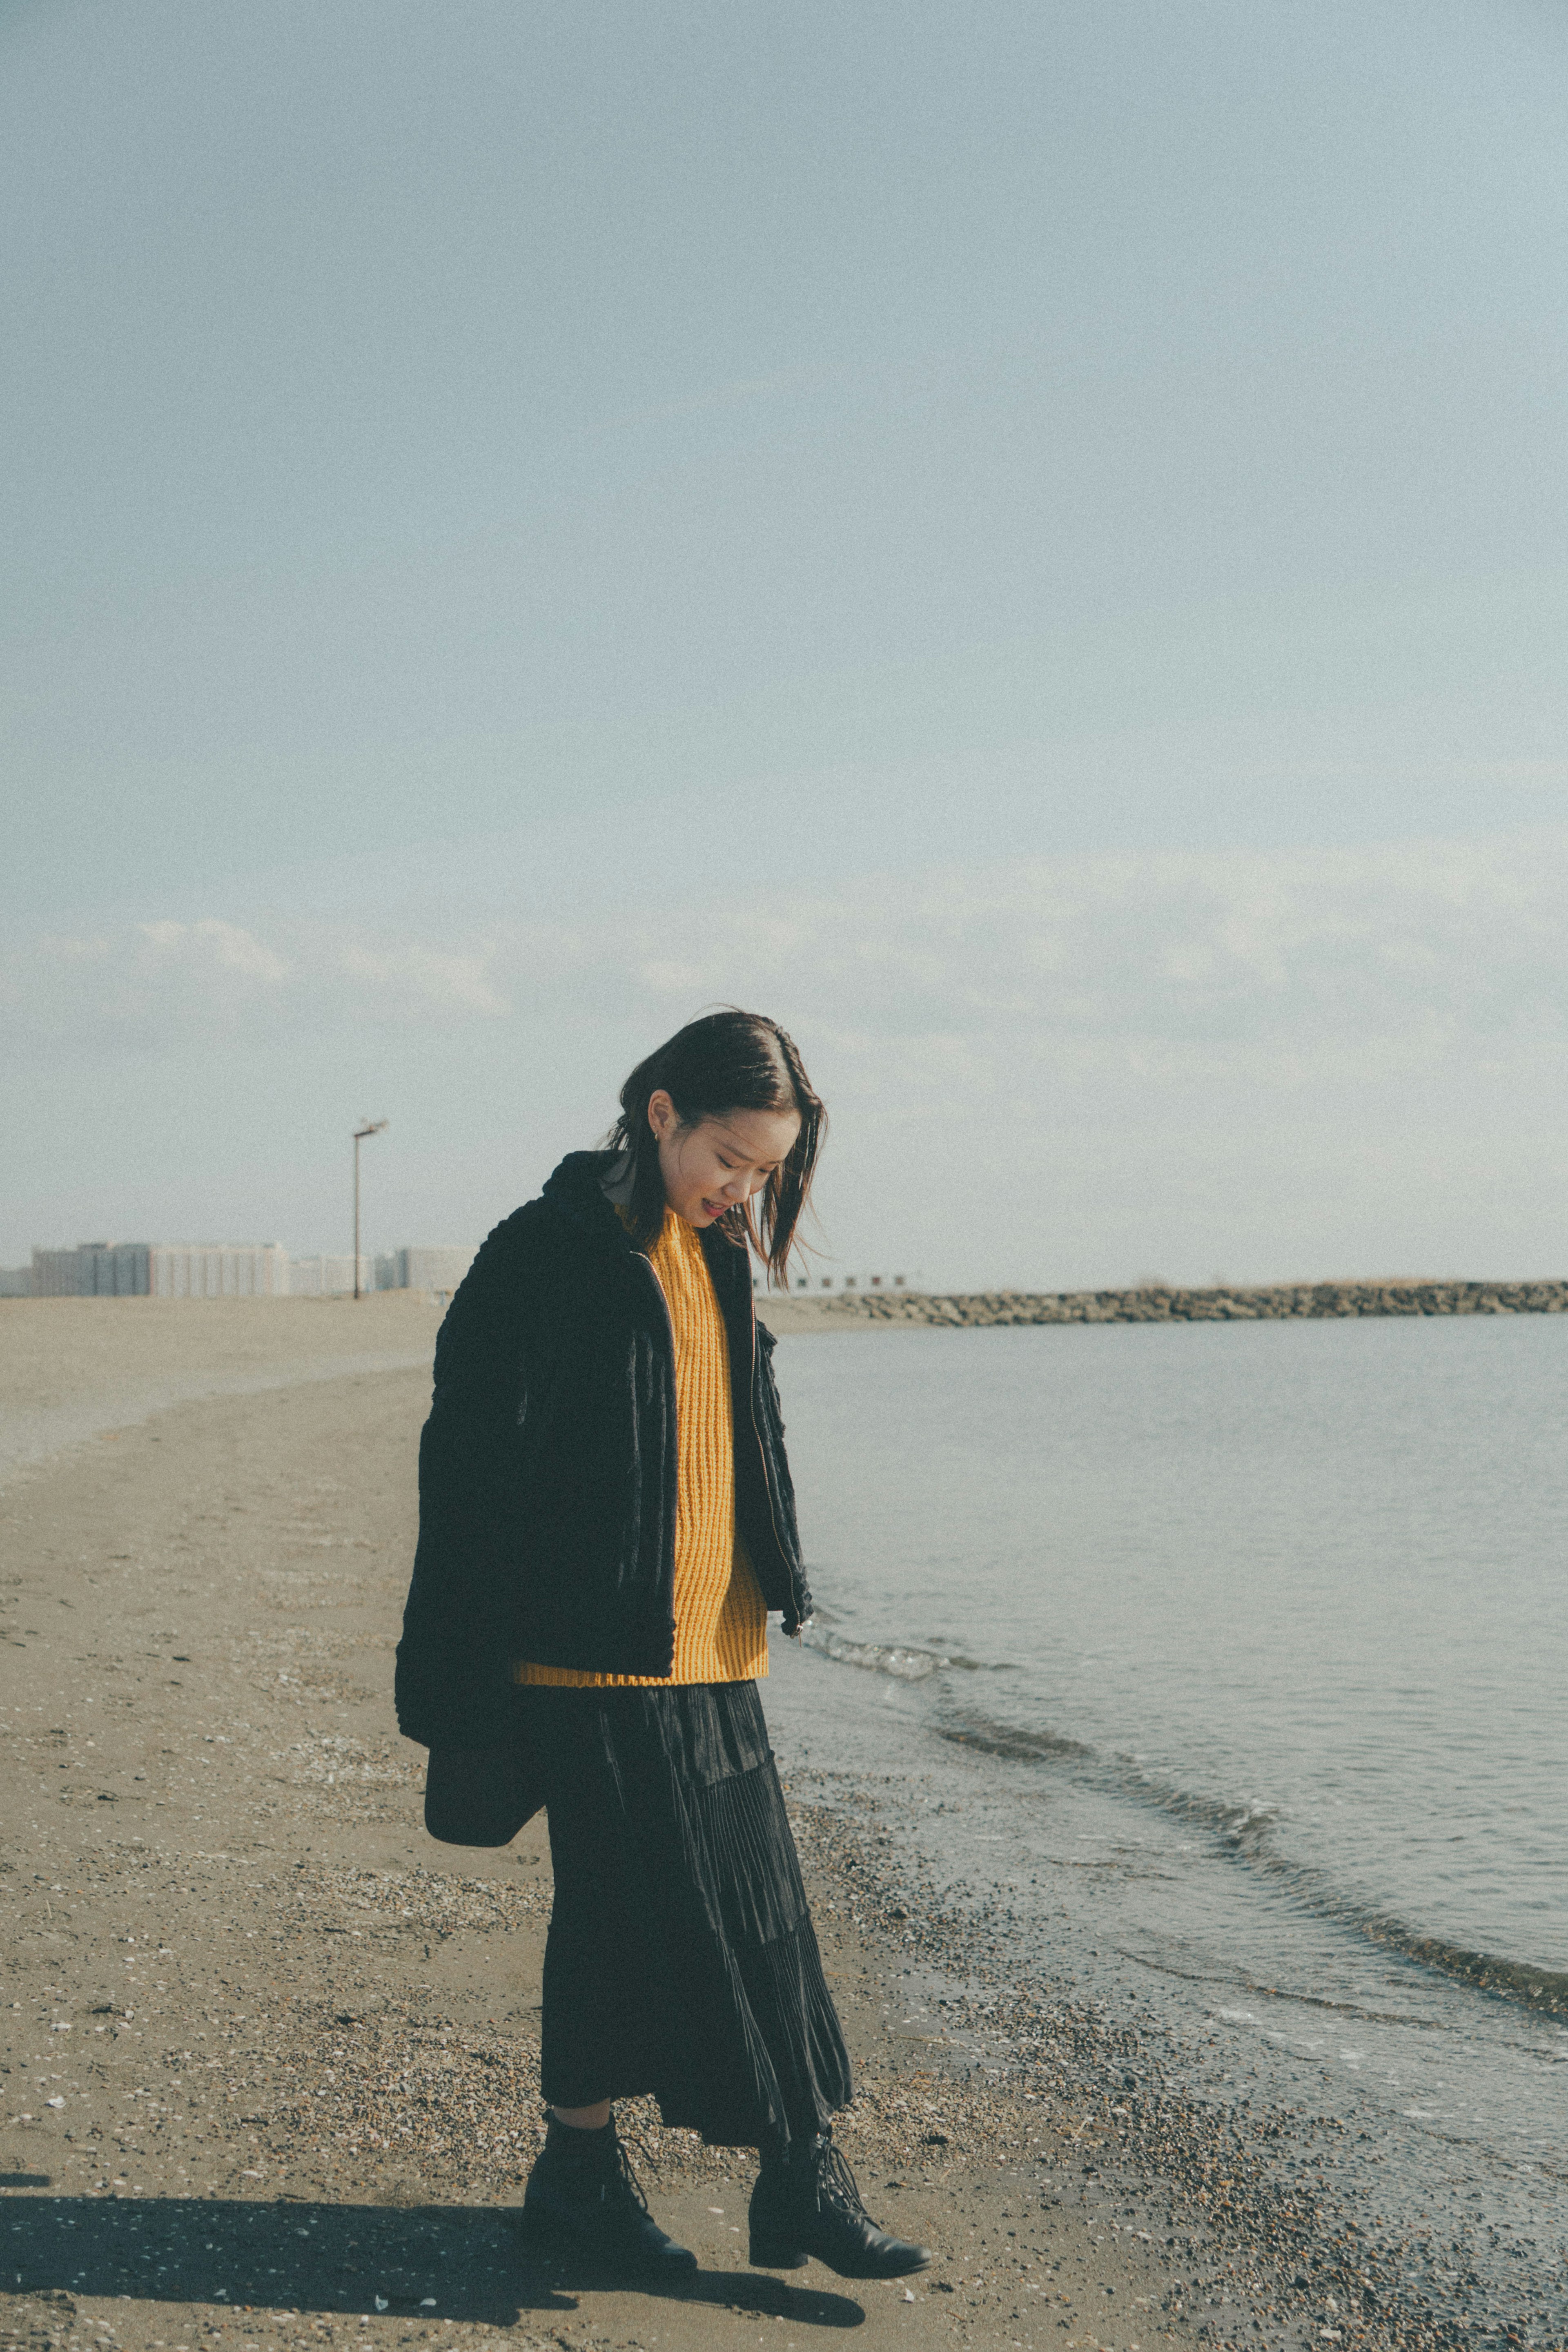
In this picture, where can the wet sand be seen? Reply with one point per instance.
(271, 2056)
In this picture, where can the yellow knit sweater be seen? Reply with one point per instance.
(721, 1619)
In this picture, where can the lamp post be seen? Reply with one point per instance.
(366, 1127)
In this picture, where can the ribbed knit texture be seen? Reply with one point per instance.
(721, 1621)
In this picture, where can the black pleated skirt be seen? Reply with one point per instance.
(681, 1957)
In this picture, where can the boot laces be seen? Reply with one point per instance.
(622, 2187)
(836, 2184)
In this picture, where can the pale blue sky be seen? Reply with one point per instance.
(1031, 537)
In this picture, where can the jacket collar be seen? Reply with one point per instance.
(575, 1191)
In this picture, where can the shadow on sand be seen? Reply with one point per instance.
(429, 2261)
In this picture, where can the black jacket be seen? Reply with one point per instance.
(548, 1466)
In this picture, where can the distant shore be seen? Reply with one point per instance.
(1317, 1300)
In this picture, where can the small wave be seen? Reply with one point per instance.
(1544, 1989)
(1241, 1823)
(1245, 1831)
(906, 1663)
(1017, 1745)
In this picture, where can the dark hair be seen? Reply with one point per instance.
(725, 1062)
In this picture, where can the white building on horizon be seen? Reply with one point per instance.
(218, 1270)
(329, 1274)
(160, 1270)
(229, 1270)
(424, 1268)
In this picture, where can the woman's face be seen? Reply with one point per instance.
(709, 1167)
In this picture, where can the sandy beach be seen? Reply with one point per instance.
(271, 2054)
(81, 1368)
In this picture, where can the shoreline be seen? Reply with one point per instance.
(1259, 2200)
(271, 2054)
(295, 2042)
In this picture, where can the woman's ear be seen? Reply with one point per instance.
(662, 1112)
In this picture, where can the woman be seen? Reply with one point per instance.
(606, 1517)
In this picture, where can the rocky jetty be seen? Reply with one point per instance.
(1149, 1304)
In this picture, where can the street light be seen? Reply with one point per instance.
(366, 1127)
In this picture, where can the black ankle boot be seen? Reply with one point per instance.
(582, 2195)
(806, 2202)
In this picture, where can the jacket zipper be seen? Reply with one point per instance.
(766, 1481)
(663, 1302)
(670, 1327)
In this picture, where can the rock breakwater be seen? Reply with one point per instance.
(1314, 1301)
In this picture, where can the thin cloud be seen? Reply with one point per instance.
(459, 983)
(1269, 967)
(210, 942)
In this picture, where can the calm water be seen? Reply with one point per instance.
(1258, 1638)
